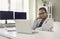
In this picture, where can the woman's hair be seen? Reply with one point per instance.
(42, 8)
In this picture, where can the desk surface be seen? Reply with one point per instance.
(42, 34)
(39, 35)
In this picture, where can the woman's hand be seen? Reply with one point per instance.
(38, 18)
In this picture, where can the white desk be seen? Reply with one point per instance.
(1, 37)
(40, 35)
(6, 35)
(43, 34)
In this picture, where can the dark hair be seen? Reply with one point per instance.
(43, 9)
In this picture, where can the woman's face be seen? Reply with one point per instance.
(42, 14)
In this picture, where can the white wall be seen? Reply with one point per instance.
(13, 5)
(18, 5)
(56, 10)
(4, 5)
(32, 9)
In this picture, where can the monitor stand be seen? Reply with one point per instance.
(5, 21)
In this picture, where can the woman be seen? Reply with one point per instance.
(42, 22)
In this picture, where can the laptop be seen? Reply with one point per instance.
(24, 26)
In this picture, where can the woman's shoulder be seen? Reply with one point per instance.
(50, 19)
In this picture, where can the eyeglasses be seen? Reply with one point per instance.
(42, 13)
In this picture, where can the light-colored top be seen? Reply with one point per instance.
(46, 26)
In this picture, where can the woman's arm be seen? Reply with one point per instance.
(36, 24)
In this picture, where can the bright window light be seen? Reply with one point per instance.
(4, 5)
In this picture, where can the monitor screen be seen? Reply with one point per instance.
(6, 15)
(20, 15)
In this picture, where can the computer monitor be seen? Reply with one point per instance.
(5, 15)
(20, 15)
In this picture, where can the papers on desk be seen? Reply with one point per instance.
(2, 21)
(4, 33)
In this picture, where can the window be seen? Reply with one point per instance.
(15, 5)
